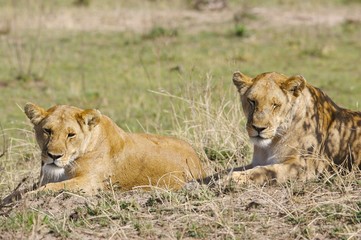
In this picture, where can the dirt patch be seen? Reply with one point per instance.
(142, 20)
(277, 17)
(3, 84)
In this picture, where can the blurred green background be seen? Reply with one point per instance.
(113, 55)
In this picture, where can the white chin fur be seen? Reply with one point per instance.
(53, 173)
(261, 142)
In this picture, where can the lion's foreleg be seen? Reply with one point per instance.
(276, 172)
(74, 184)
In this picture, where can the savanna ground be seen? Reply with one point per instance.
(165, 67)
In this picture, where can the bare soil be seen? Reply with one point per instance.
(143, 20)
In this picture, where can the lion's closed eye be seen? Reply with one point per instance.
(71, 135)
(275, 106)
(47, 131)
(251, 102)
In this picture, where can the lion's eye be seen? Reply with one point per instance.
(251, 102)
(275, 106)
(71, 135)
(47, 131)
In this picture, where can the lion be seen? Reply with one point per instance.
(297, 131)
(84, 150)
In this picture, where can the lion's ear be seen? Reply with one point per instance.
(294, 84)
(90, 117)
(34, 113)
(241, 81)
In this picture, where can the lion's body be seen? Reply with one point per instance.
(85, 150)
(297, 130)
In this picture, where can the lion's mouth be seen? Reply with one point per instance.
(259, 137)
(54, 165)
(262, 135)
(261, 141)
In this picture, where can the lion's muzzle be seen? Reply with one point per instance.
(54, 156)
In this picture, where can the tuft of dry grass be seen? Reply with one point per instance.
(20, 158)
(215, 128)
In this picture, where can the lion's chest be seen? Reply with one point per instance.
(52, 174)
(263, 156)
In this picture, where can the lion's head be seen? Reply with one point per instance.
(63, 133)
(268, 103)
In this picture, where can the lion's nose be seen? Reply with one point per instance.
(258, 129)
(54, 156)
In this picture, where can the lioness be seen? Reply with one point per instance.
(296, 129)
(85, 150)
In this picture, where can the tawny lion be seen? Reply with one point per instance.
(84, 149)
(297, 130)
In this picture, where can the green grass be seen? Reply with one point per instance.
(115, 71)
(173, 79)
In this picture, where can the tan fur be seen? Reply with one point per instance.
(297, 130)
(85, 150)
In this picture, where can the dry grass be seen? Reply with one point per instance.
(214, 128)
(325, 208)
(318, 209)
(19, 158)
